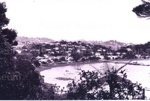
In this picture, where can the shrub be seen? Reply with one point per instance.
(92, 86)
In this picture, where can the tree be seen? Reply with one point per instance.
(7, 38)
(76, 56)
(87, 53)
(92, 86)
(142, 10)
(62, 59)
(18, 78)
(63, 42)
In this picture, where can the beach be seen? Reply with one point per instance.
(49, 66)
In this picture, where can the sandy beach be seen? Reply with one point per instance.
(49, 66)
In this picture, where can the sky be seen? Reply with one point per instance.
(98, 20)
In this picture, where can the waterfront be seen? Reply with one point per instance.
(136, 73)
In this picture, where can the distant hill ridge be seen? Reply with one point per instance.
(113, 44)
(28, 40)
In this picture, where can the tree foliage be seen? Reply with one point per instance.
(76, 55)
(92, 86)
(142, 10)
(18, 78)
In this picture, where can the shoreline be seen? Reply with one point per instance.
(49, 66)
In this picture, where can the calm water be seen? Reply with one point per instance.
(140, 74)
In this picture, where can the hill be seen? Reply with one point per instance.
(27, 40)
(138, 48)
(113, 44)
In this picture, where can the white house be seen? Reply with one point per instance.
(129, 49)
(18, 51)
(97, 54)
(138, 56)
(38, 57)
(113, 57)
(118, 53)
(101, 56)
(99, 50)
(46, 56)
(69, 59)
(56, 48)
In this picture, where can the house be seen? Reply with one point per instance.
(99, 50)
(118, 53)
(138, 56)
(112, 57)
(69, 59)
(129, 49)
(109, 53)
(43, 61)
(101, 57)
(83, 49)
(51, 53)
(18, 51)
(51, 57)
(123, 53)
(103, 50)
(63, 45)
(78, 50)
(147, 57)
(39, 58)
(56, 48)
(48, 50)
(97, 54)
(70, 48)
(51, 43)
(46, 56)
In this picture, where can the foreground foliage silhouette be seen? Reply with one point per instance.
(142, 10)
(92, 86)
(18, 78)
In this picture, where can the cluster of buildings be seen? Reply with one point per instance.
(69, 52)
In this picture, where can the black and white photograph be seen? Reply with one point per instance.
(74, 49)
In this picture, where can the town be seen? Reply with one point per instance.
(67, 52)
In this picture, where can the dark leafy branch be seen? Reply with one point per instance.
(142, 10)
